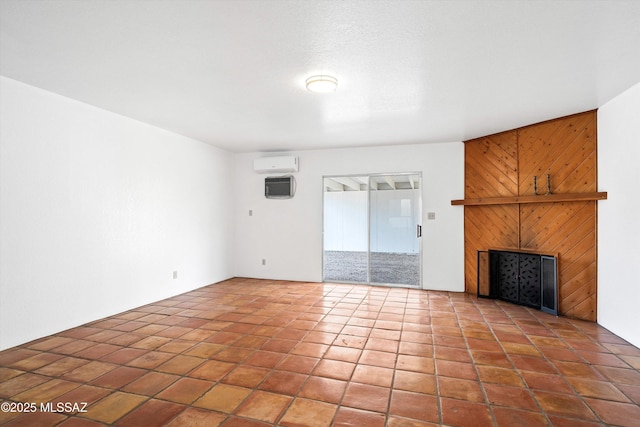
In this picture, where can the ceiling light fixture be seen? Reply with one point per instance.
(322, 84)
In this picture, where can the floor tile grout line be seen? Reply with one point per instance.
(508, 355)
(573, 350)
(590, 338)
(387, 311)
(338, 405)
(542, 411)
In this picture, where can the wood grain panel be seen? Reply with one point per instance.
(487, 227)
(503, 165)
(491, 166)
(564, 148)
(490, 171)
(547, 198)
(568, 229)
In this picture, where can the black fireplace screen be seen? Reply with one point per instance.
(549, 285)
(519, 277)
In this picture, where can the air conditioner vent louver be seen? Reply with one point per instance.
(279, 187)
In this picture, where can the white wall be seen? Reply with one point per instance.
(97, 211)
(618, 223)
(288, 233)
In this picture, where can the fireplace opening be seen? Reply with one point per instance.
(519, 277)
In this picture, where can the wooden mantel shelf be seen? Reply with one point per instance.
(551, 198)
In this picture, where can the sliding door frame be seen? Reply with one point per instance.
(369, 176)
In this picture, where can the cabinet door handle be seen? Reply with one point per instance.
(419, 230)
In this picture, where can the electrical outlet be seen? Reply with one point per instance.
(175, 274)
(264, 261)
(431, 215)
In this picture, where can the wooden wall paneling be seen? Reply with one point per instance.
(487, 227)
(583, 176)
(491, 166)
(568, 229)
(565, 148)
(578, 272)
(490, 171)
(578, 293)
(574, 169)
(532, 160)
(553, 226)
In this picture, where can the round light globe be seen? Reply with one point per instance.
(322, 84)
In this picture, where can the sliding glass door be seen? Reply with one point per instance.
(372, 229)
(346, 229)
(394, 229)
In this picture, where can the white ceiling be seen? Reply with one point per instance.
(231, 73)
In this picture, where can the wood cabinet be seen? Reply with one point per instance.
(501, 209)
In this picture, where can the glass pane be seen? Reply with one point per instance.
(394, 220)
(345, 230)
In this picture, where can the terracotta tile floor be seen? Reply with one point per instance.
(258, 353)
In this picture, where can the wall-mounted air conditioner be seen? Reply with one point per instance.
(279, 187)
(276, 164)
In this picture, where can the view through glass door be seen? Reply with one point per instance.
(372, 229)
